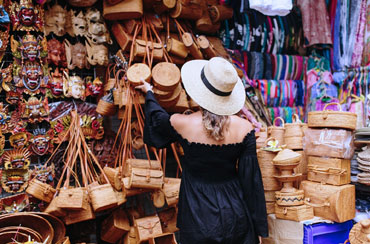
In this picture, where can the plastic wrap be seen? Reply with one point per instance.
(329, 143)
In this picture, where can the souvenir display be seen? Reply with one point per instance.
(66, 81)
(25, 16)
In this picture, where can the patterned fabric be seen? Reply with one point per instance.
(366, 53)
(359, 43)
(316, 24)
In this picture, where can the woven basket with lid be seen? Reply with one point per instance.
(360, 233)
(286, 157)
(276, 131)
(166, 76)
(332, 119)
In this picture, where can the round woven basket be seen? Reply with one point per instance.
(332, 119)
(27, 231)
(169, 102)
(30, 220)
(290, 198)
(159, 94)
(166, 76)
(9, 236)
(262, 137)
(276, 131)
(138, 71)
(58, 226)
(360, 233)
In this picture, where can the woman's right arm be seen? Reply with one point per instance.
(158, 131)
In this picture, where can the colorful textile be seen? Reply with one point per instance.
(316, 24)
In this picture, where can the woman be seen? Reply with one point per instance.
(221, 194)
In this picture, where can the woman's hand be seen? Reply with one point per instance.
(145, 87)
(260, 239)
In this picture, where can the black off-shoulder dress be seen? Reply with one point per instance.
(221, 195)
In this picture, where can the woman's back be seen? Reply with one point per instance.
(191, 128)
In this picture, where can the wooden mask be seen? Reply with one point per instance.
(56, 20)
(26, 17)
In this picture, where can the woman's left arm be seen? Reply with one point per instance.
(251, 181)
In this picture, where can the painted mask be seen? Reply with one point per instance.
(97, 54)
(26, 17)
(7, 78)
(29, 47)
(76, 55)
(73, 86)
(4, 117)
(97, 30)
(55, 84)
(4, 16)
(94, 88)
(55, 20)
(17, 159)
(92, 127)
(35, 109)
(15, 203)
(13, 97)
(44, 174)
(56, 53)
(18, 140)
(41, 141)
(14, 180)
(32, 76)
(4, 39)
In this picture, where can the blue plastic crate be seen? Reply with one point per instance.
(324, 233)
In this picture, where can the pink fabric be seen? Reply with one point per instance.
(315, 20)
(249, 116)
(366, 51)
(359, 44)
(313, 77)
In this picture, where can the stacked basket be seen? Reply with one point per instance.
(265, 156)
(328, 144)
(293, 138)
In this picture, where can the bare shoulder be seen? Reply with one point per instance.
(180, 121)
(242, 126)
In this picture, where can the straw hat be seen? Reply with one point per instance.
(214, 85)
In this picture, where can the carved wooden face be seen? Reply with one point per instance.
(35, 109)
(55, 20)
(56, 53)
(94, 88)
(14, 180)
(30, 47)
(79, 24)
(79, 55)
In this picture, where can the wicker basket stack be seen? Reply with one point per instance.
(328, 145)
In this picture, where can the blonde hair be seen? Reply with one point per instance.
(215, 124)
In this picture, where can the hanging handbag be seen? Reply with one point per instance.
(127, 9)
(168, 220)
(147, 227)
(115, 226)
(171, 189)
